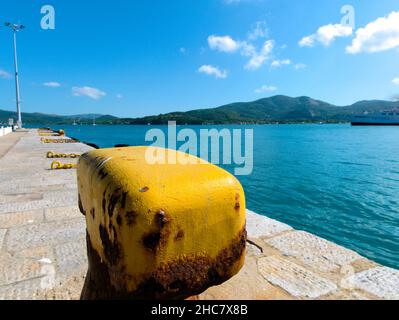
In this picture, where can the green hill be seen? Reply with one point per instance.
(50, 119)
(281, 109)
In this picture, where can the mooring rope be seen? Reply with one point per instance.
(45, 140)
(52, 155)
(51, 133)
(56, 165)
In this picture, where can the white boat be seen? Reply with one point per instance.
(383, 118)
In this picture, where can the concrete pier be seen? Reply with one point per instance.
(43, 250)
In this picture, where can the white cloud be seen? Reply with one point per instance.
(395, 81)
(259, 58)
(119, 96)
(266, 88)
(280, 63)
(379, 35)
(52, 84)
(307, 41)
(224, 43)
(248, 48)
(326, 35)
(213, 71)
(90, 92)
(4, 74)
(259, 31)
(299, 66)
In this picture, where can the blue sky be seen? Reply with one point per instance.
(135, 58)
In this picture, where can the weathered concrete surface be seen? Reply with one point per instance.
(7, 142)
(263, 227)
(42, 232)
(314, 252)
(283, 263)
(43, 250)
(2, 235)
(296, 280)
(382, 282)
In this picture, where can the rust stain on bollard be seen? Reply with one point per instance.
(164, 231)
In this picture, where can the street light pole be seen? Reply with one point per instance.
(16, 28)
(19, 121)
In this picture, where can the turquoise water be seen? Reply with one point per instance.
(336, 181)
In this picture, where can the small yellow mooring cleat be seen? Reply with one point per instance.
(158, 231)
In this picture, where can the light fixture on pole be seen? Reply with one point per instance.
(16, 28)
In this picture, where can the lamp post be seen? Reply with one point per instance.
(16, 28)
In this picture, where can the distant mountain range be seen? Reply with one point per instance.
(276, 109)
(51, 119)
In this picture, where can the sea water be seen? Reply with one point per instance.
(336, 181)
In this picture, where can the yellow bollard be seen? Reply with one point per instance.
(163, 231)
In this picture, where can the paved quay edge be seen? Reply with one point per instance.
(43, 250)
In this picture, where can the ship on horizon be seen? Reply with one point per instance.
(383, 118)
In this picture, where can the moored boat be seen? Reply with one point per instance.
(383, 118)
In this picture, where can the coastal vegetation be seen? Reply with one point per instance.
(276, 109)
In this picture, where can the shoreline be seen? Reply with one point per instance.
(43, 250)
(33, 125)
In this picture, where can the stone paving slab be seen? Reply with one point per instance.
(8, 220)
(294, 279)
(315, 252)
(51, 233)
(64, 213)
(14, 269)
(71, 258)
(20, 197)
(8, 141)
(262, 227)
(253, 250)
(42, 232)
(68, 289)
(249, 284)
(382, 282)
(25, 290)
(38, 184)
(43, 253)
(42, 200)
(2, 235)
